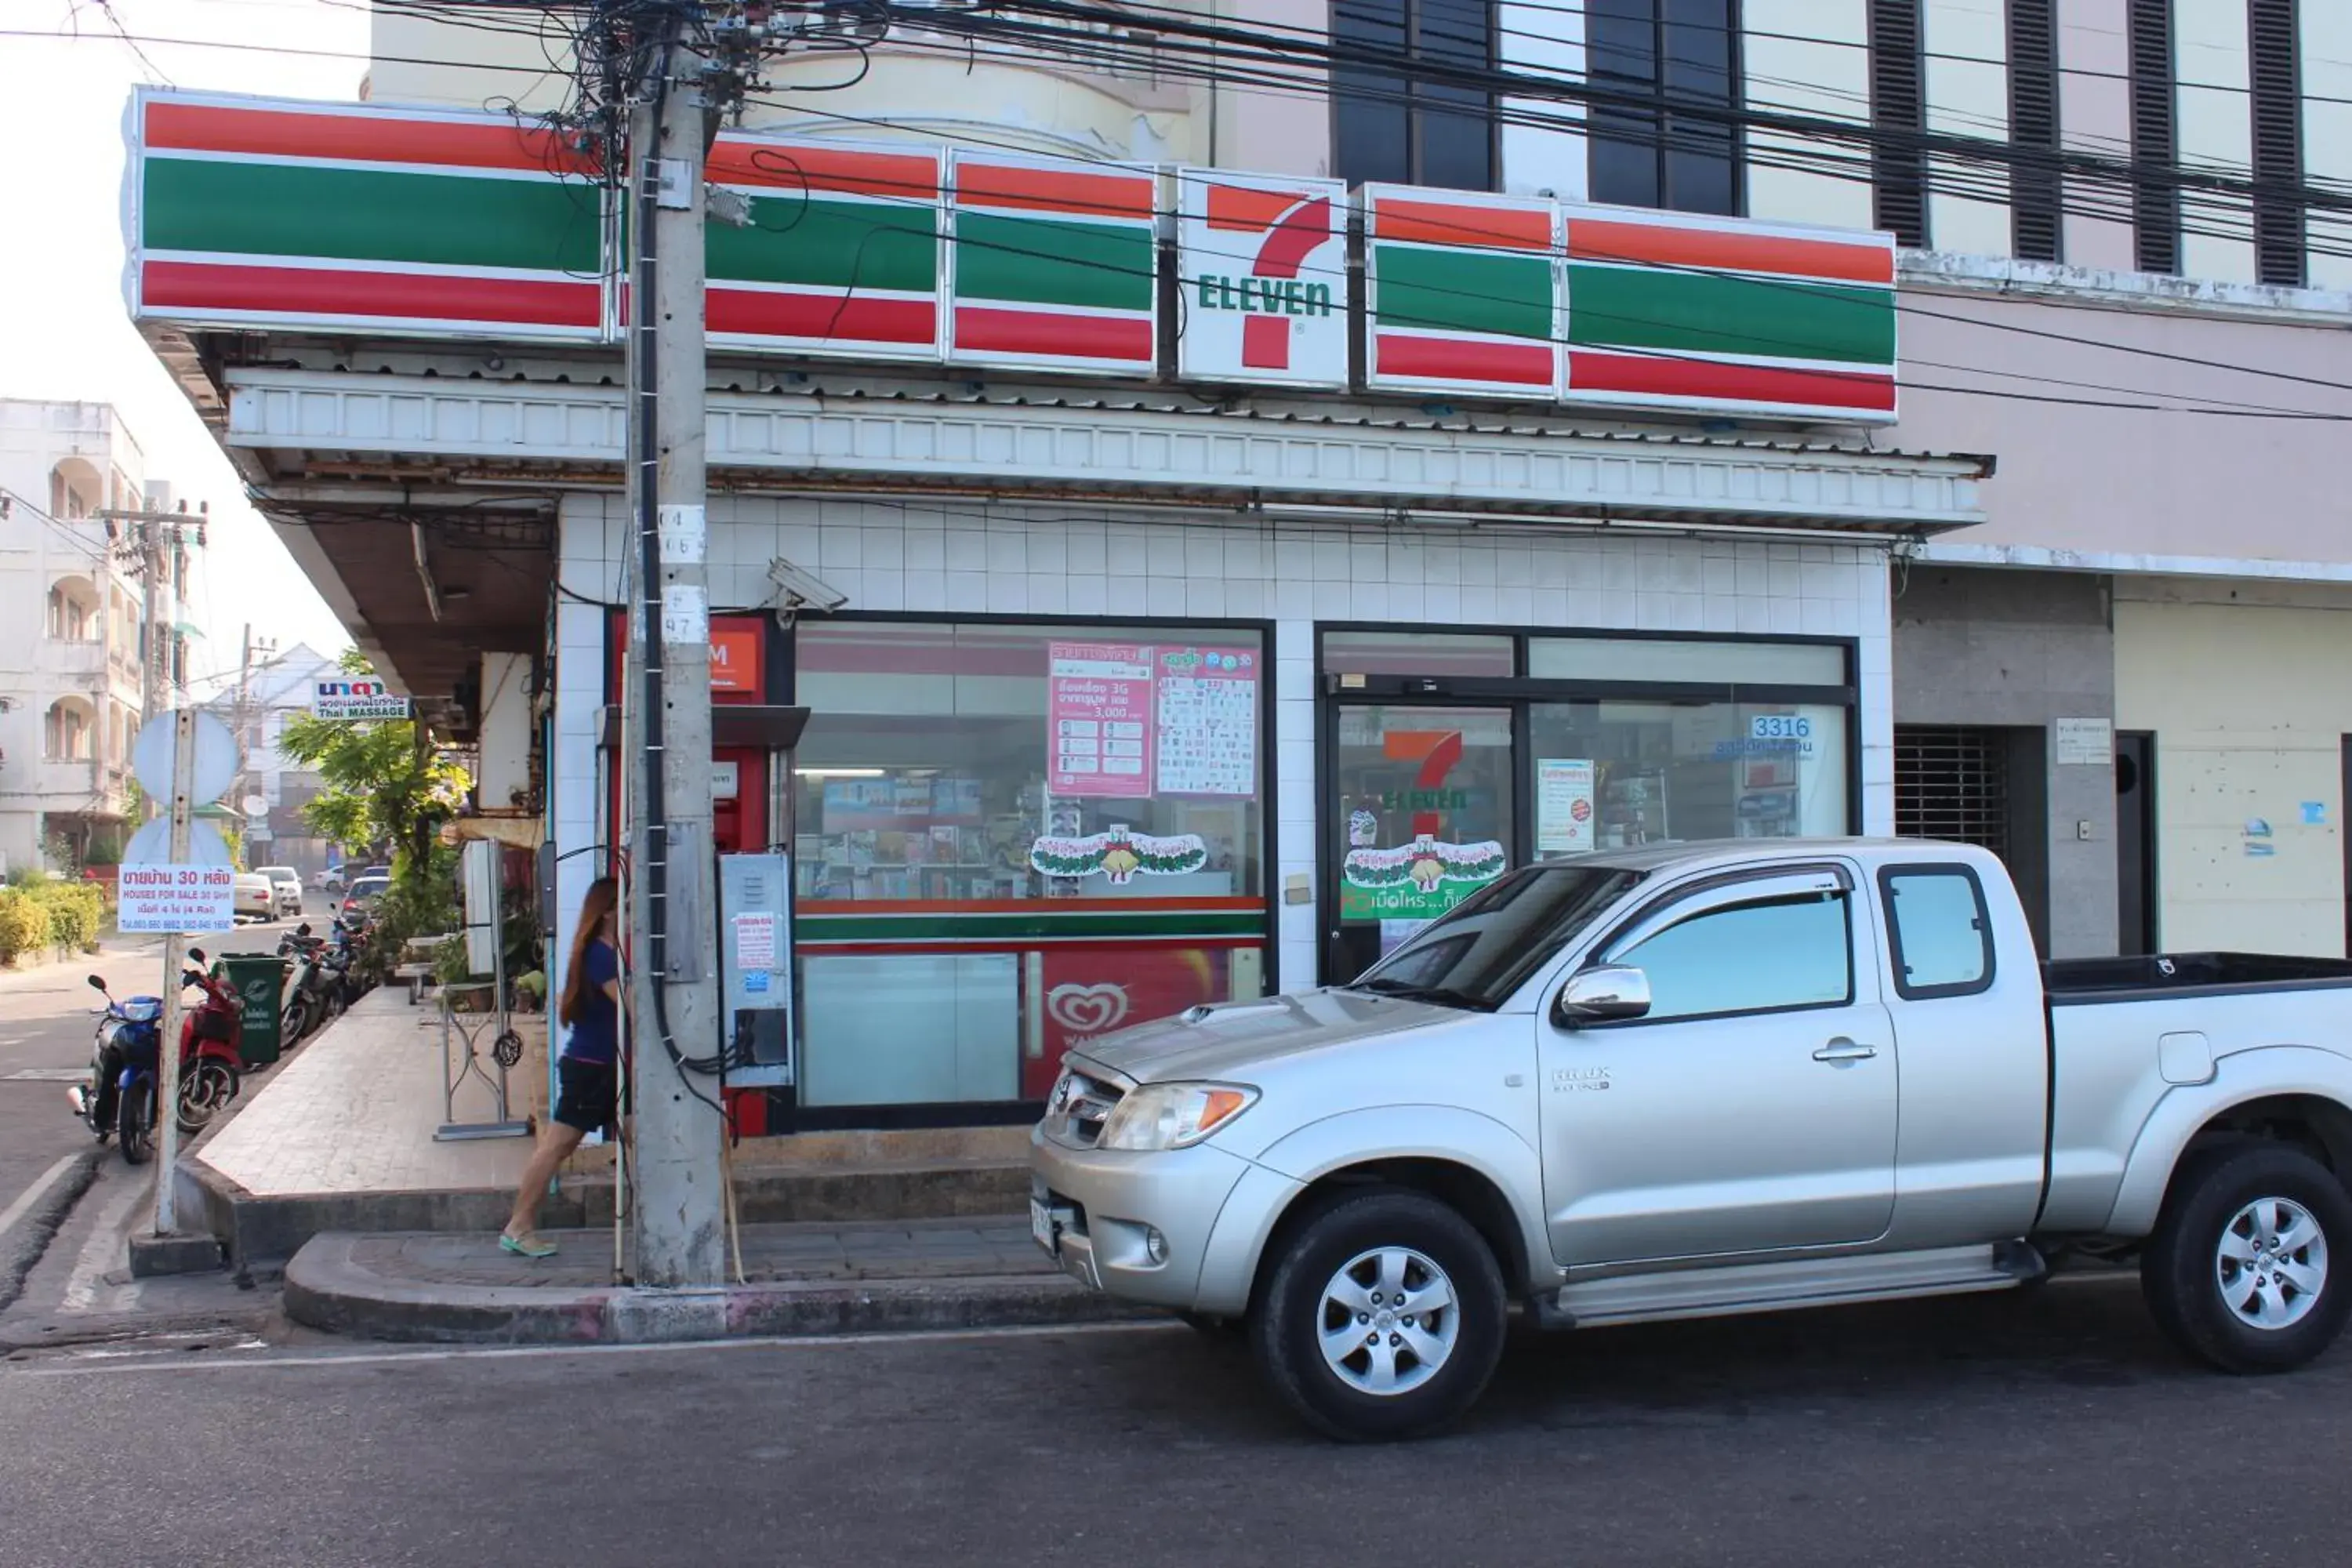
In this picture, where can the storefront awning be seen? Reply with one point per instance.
(865, 436)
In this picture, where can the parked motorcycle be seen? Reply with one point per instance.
(308, 991)
(212, 1049)
(119, 1098)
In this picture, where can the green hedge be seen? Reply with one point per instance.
(76, 911)
(24, 924)
(50, 913)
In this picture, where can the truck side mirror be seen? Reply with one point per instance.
(1605, 994)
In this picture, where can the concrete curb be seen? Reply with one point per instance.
(326, 1287)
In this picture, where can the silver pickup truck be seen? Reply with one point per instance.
(1704, 1079)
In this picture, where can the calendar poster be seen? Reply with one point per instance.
(1207, 712)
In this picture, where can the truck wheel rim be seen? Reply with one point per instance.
(1389, 1320)
(2271, 1263)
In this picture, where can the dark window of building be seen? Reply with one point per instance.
(2156, 185)
(1681, 151)
(2278, 142)
(1393, 122)
(2035, 189)
(1952, 784)
(1898, 111)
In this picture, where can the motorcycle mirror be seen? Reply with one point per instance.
(97, 983)
(197, 953)
(302, 930)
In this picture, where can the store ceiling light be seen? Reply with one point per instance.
(839, 772)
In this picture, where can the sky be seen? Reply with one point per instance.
(65, 334)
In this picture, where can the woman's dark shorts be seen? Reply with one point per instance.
(587, 1095)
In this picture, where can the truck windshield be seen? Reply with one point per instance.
(1484, 948)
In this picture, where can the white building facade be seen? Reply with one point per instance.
(73, 680)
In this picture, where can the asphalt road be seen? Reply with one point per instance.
(45, 1033)
(2043, 1427)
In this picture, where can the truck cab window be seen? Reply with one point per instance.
(1942, 937)
(1749, 958)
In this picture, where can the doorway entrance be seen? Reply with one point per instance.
(1448, 758)
(2136, 884)
(1423, 819)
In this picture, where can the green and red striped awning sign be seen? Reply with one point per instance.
(1627, 308)
(1668, 310)
(1053, 265)
(1461, 293)
(422, 222)
(843, 252)
(250, 213)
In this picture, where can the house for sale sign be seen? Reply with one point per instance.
(1099, 701)
(173, 901)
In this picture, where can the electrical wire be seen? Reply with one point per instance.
(919, 199)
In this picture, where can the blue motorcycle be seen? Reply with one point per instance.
(118, 1100)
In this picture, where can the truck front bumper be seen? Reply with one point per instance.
(1134, 1226)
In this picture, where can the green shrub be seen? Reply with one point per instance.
(73, 912)
(24, 925)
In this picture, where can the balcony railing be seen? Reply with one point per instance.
(72, 656)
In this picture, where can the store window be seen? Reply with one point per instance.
(1449, 757)
(1617, 774)
(1021, 836)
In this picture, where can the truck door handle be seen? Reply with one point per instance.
(1844, 1050)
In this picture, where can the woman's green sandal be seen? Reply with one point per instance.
(535, 1247)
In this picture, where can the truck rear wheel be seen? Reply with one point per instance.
(2250, 1268)
(1383, 1320)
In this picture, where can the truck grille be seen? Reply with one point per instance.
(1079, 1107)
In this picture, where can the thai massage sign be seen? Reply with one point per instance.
(1262, 283)
(1128, 721)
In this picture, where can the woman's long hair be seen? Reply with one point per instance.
(602, 893)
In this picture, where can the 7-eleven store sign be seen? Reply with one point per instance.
(1262, 290)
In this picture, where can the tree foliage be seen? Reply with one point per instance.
(383, 783)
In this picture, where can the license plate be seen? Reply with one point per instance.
(1041, 1226)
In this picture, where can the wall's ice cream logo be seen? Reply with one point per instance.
(1265, 280)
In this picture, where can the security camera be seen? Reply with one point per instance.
(797, 589)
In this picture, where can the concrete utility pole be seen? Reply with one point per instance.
(680, 1194)
(167, 1074)
(151, 532)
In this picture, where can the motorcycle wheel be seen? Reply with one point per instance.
(205, 1092)
(298, 1019)
(134, 1120)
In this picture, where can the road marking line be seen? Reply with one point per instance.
(42, 1075)
(179, 1360)
(32, 1195)
(105, 1249)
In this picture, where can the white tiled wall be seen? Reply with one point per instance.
(892, 556)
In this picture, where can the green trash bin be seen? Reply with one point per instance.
(260, 979)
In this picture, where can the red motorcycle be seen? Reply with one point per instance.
(212, 1062)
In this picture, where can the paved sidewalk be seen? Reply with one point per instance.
(802, 1279)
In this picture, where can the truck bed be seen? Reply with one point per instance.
(2151, 975)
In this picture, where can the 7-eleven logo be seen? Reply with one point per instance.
(1290, 227)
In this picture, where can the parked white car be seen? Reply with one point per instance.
(255, 897)
(286, 883)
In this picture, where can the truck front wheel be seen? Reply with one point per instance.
(2249, 1267)
(1384, 1319)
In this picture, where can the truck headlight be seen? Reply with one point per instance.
(1173, 1115)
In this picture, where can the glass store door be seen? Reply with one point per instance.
(1421, 818)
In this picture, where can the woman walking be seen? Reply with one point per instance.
(588, 1072)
